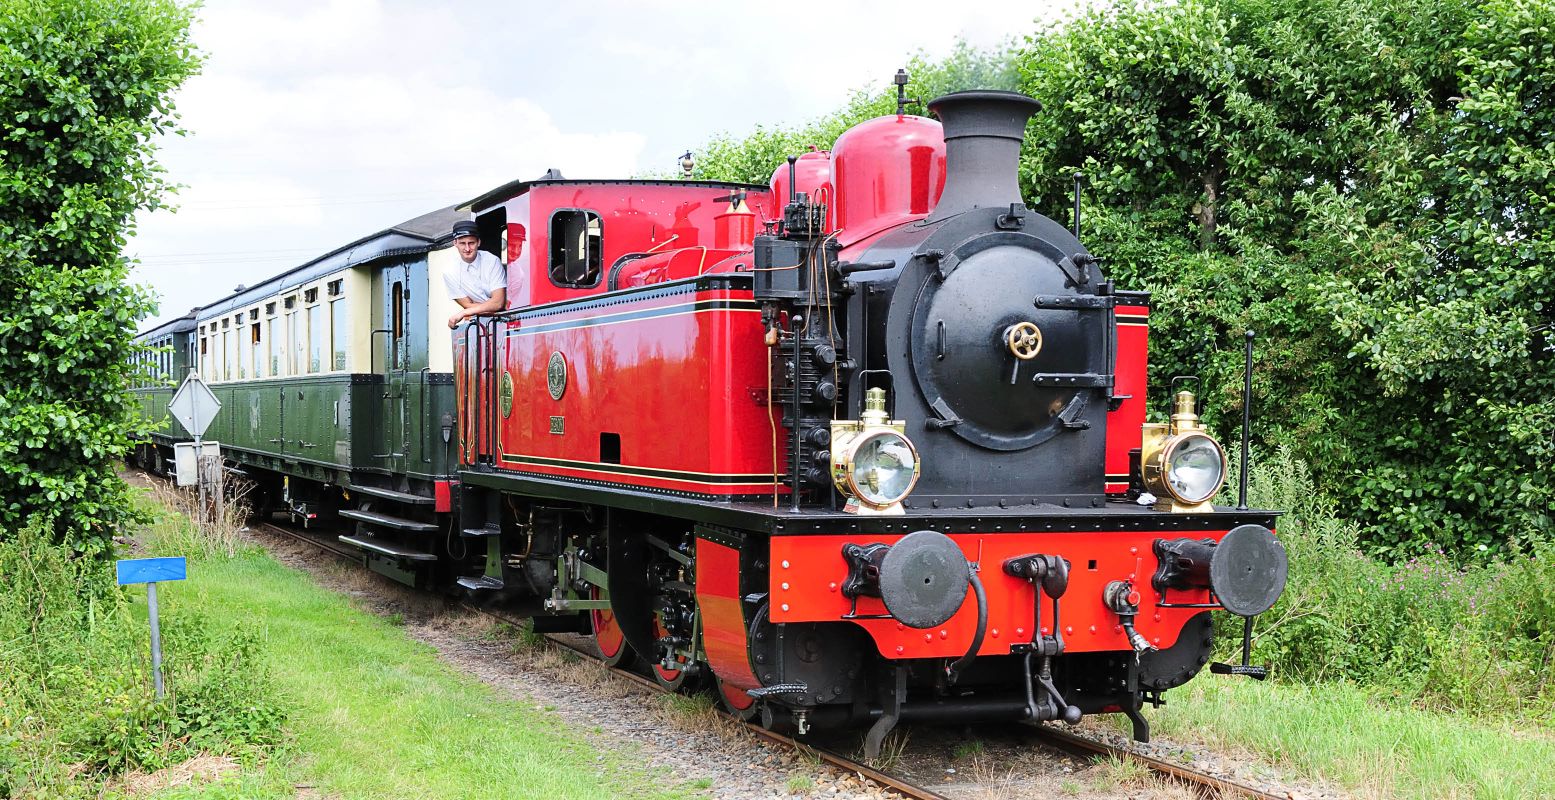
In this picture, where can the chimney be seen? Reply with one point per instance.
(983, 135)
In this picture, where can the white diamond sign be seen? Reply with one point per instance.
(194, 405)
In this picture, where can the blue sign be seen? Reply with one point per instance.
(151, 570)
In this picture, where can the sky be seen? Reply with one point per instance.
(313, 124)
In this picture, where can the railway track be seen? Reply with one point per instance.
(1202, 784)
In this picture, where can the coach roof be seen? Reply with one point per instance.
(411, 237)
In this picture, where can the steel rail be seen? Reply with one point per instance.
(832, 757)
(354, 556)
(1205, 784)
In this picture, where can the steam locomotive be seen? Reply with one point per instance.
(862, 445)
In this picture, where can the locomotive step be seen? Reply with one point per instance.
(386, 521)
(387, 548)
(478, 583)
(489, 530)
(399, 497)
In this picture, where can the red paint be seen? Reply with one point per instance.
(672, 265)
(735, 229)
(443, 496)
(723, 621)
(688, 364)
(1125, 425)
(814, 561)
(635, 217)
(516, 235)
(886, 171)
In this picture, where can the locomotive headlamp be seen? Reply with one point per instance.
(873, 463)
(1181, 464)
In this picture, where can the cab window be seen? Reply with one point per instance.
(576, 248)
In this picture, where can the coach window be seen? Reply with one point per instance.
(272, 344)
(293, 336)
(239, 352)
(397, 326)
(576, 248)
(339, 320)
(315, 330)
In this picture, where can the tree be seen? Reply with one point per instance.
(1370, 185)
(753, 157)
(83, 89)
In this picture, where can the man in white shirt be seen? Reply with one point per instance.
(480, 283)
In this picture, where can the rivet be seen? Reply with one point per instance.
(944, 634)
(900, 649)
(901, 626)
(1117, 629)
(995, 633)
(1044, 630)
(832, 586)
(1133, 550)
(1020, 631)
(1157, 617)
(785, 563)
(1069, 629)
(1093, 629)
(1156, 640)
(928, 637)
(785, 606)
(785, 586)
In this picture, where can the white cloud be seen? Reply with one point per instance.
(315, 123)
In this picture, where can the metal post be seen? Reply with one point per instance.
(794, 440)
(1247, 420)
(156, 638)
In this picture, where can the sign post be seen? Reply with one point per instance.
(195, 406)
(149, 571)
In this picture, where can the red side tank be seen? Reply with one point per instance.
(886, 171)
(813, 175)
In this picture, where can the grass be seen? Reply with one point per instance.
(1374, 748)
(375, 714)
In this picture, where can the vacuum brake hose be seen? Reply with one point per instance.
(982, 628)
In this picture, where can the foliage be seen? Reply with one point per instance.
(76, 705)
(751, 158)
(1369, 185)
(1478, 639)
(83, 88)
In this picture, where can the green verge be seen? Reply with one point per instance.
(374, 714)
(1343, 734)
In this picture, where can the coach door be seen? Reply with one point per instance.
(393, 346)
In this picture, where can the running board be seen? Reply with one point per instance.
(387, 548)
(386, 521)
(398, 497)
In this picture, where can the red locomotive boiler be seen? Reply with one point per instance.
(864, 445)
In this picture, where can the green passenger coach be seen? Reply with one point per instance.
(336, 389)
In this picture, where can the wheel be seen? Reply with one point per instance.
(740, 705)
(608, 638)
(671, 679)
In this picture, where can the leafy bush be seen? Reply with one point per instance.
(76, 703)
(1477, 638)
(84, 86)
